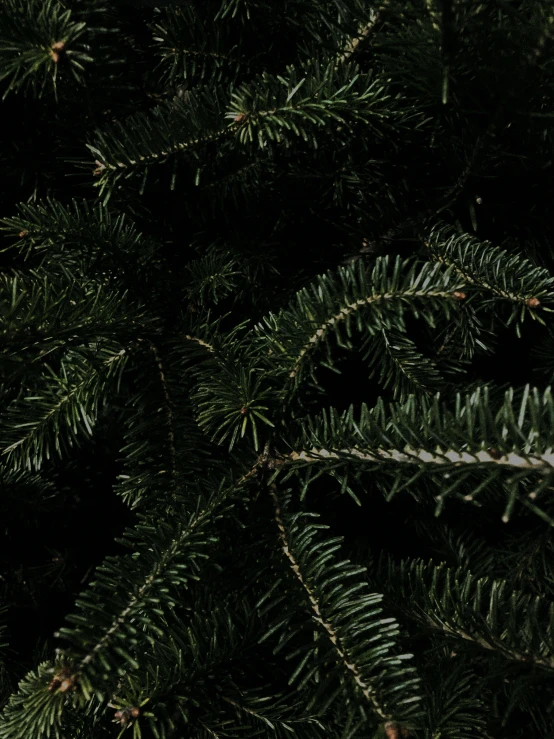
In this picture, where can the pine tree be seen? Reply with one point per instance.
(276, 426)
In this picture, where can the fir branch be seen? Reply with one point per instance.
(60, 413)
(372, 673)
(44, 312)
(212, 277)
(35, 40)
(144, 479)
(203, 343)
(367, 692)
(33, 708)
(229, 393)
(231, 399)
(543, 463)
(52, 231)
(289, 142)
(192, 48)
(385, 288)
(168, 129)
(313, 96)
(168, 405)
(221, 633)
(505, 275)
(170, 555)
(363, 32)
(455, 701)
(481, 611)
(477, 433)
(394, 357)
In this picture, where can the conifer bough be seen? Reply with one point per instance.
(265, 284)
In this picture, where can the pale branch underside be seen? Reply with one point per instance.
(542, 462)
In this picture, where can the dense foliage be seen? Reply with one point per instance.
(276, 426)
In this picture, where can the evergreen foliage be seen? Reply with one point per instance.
(276, 418)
